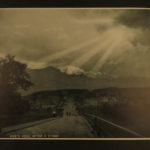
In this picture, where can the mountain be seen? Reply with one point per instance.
(51, 78)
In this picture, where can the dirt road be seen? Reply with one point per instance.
(70, 125)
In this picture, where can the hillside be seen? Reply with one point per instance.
(51, 78)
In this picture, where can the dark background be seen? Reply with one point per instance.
(74, 145)
(84, 145)
(74, 3)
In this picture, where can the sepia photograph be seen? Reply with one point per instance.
(74, 73)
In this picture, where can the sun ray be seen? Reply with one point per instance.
(72, 49)
(109, 51)
(91, 53)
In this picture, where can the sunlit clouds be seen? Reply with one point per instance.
(89, 41)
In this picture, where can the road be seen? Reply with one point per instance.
(115, 129)
(71, 125)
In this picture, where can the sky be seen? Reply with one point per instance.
(79, 41)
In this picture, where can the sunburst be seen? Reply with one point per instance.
(83, 59)
(71, 49)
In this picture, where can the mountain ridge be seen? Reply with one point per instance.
(52, 78)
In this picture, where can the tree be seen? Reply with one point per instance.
(13, 77)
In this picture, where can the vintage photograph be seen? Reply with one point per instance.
(74, 73)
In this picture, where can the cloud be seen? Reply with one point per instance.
(91, 42)
(72, 70)
(135, 18)
(35, 34)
